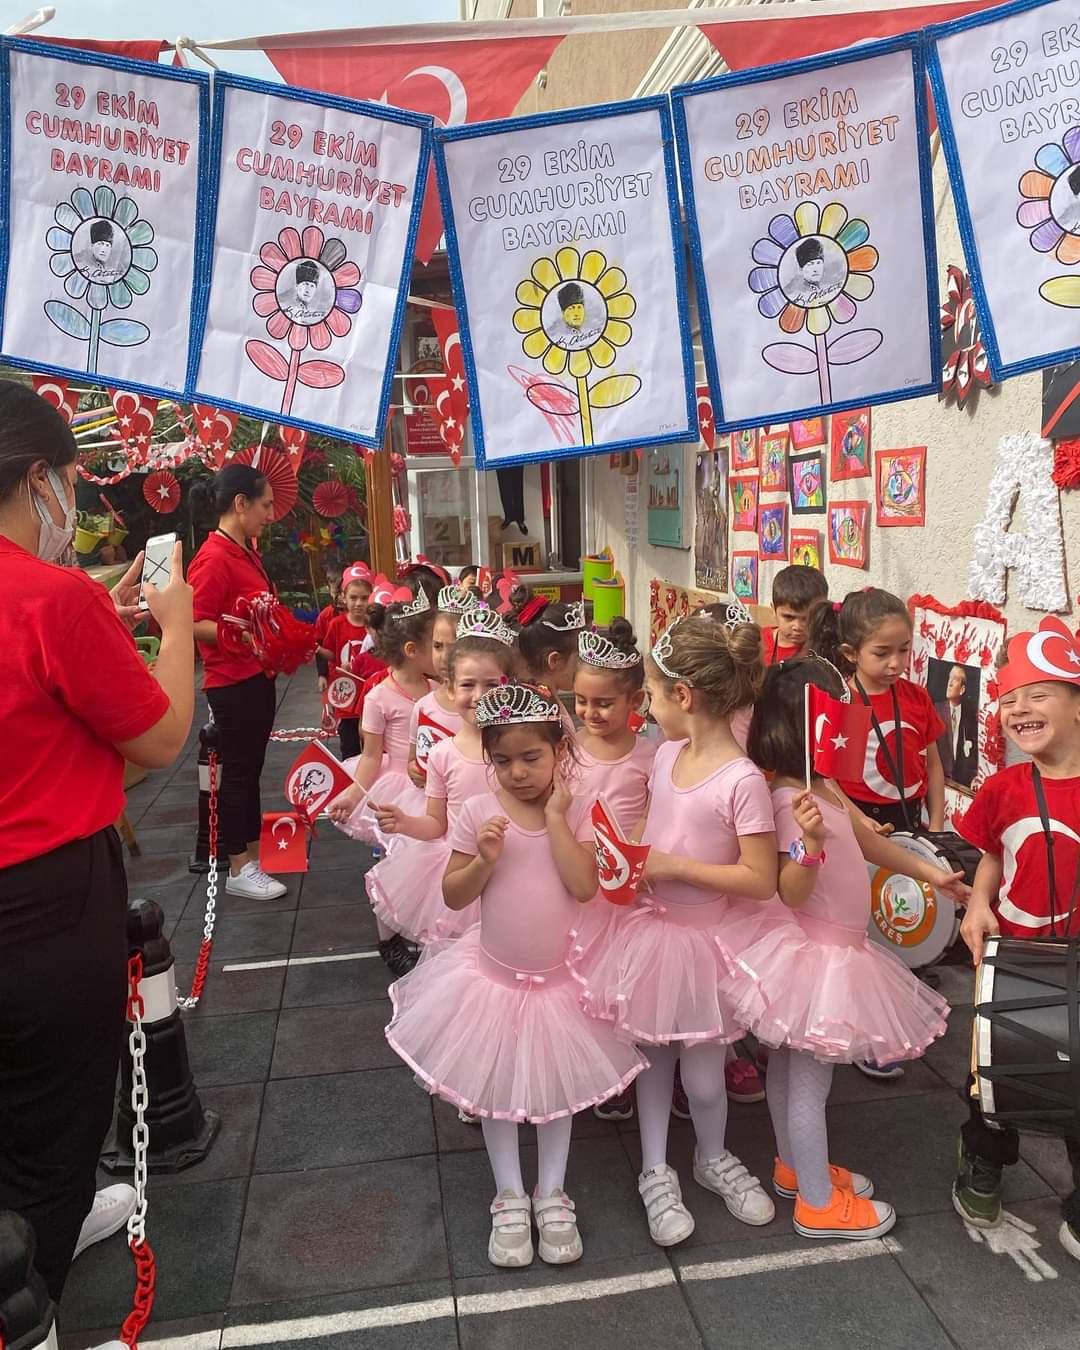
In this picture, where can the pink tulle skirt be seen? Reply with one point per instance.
(405, 891)
(391, 788)
(829, 991)
(658, 972)
(504, 1044)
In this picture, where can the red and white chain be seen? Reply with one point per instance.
(202, 964)
(142, 1303)
(301, 734)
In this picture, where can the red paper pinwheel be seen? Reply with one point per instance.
(331, 499)
(279, 472)
(162, 491)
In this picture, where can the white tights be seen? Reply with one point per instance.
(797, 1087)
(706, 1091)
(553, 1150)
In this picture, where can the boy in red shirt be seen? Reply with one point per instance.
(1026, 818)
(794, 590)
(344, 640)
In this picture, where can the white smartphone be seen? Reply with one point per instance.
(157, 564)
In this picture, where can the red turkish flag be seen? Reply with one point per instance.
(214, 428)
(140, 49)
(454, 82)
(429, 733)
(343, 694)
(316, 778)
(54, 390)
(283, 842)
(839, 732)
(620, 864)
(706, 420)
(294, 439)
(134, 426)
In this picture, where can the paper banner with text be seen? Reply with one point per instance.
(103, 207)
(566, 260)
(1006, 88)
(809, 200)
(317, 206)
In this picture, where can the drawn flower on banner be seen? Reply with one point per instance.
(574, 312)
(305, 289)
(100, 248)
(813, 271)
(1051, 211)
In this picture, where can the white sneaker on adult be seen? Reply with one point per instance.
(556, 1227)
(253, 884)
(510, 1243)
(728, 1178)
(110, 1211)
(669, 1219)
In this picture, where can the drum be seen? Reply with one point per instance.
(914, 920)
(1027, 1035)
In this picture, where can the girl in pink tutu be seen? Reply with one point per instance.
(435, 717)
(403, 633)
(813, 983)
(661, 977)
(405, 889)
(492, 1022)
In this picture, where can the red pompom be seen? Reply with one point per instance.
(1067, 463)
(261, 626)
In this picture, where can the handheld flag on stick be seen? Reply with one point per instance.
(621, 864)
(838, 734)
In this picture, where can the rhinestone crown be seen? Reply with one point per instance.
(516, 703)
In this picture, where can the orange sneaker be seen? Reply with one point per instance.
(786, 1182)
(845, 1216)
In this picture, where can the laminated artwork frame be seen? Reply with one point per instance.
(1000, 369)
(682, 94)
(482, 434)
(225, 81)
(80, 59)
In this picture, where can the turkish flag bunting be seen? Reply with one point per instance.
(315, 779)
(454, 82)
(343, 693)
(134, 426)
(283, 842)
(839, 732)
(706, 420)
(214, 428)
(429, 733)
(54, 390)
(138, 49)
(620, 864)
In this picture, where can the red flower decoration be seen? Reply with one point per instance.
(275, 465)
(162, 491)
(966, 364)
(1067, 463)
(331, 499)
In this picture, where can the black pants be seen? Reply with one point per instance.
(349, 736)
(63, 986)
(1001, 1148)
(893, 813)
(244, 714)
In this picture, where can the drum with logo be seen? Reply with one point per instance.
(916, 921)
(1027, 1035)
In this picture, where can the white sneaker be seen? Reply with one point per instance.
(510, 1243)
(253, 884)
(466, 1117)
(728, 1178)
(111, 1210)
(556, 1227)
(669, 1219)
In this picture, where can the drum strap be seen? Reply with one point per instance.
(895, 765)
(1051, 871)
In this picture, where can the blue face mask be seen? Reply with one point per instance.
(52, 538)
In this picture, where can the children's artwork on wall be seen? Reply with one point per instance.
(848, 533)
(664, 496)
(806, 548)
(744, 501)
(722, 443)
(1061, 402)
(668, 603)
(900, 486)
(807, 485)
(849, 455)
(710, 520)
(808, 432)
(953, 655)
(744, 577)
(773, 532)
(774, 448)
(744, 449)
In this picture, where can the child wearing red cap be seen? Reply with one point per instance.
(1026, 819)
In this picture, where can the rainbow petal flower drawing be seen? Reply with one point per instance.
(100, 248)
(813, 271)
(305, 289)
(574, 311)
(1051, 211)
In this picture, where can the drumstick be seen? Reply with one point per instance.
(806, 706)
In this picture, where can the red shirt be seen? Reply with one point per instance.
(73, 686)
(921, 728)
(220, 573)
(344, 640)
(322, 623)
(1004, 819)
(774, 653)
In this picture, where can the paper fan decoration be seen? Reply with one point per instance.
(331, 498)
(279, 472)
(162, 491)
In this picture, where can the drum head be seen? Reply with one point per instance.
(910, 918)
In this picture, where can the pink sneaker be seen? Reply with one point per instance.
(744, 1082)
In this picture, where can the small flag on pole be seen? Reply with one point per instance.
(283, 842)
(838, 735)
(429, 733)
(621, 864)
(315, 779)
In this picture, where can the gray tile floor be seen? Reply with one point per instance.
(341, 1207)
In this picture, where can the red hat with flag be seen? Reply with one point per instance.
(1050, 654)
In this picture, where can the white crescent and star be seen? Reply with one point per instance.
(283, 844)
(1036, 653)
(455, 93)
(872, 775)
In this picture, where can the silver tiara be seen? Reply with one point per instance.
(663, 652)
(453, 600)
(418, 606)
(845, 697)
(736, 613)
(485, 623)
(572, 620)
(516, 703)
(596, 650)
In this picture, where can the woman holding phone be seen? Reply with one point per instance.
(76, 701)
(242, 699)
